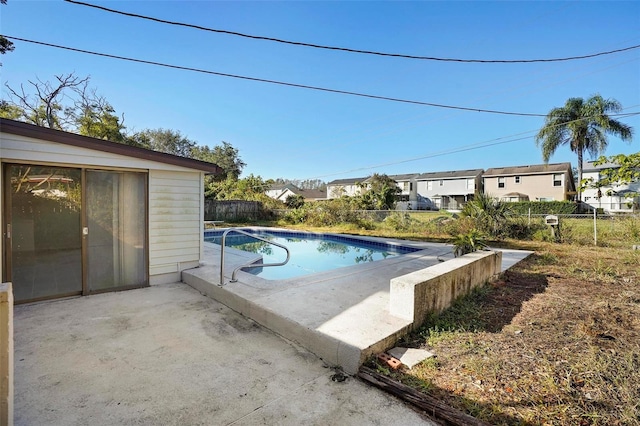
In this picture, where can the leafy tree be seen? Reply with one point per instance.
(315, 184)
(10, 111)
(294, 201)
(95, 117)
(164, 140)
(380, 192)
(251, 188)
(583, 125)
(45, 106)
(70, 104)
(627, 172)
(66, 104)
(225, 156)
(5, 44)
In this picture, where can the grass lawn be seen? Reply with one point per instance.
(554, 341)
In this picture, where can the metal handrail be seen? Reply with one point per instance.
(248, 265)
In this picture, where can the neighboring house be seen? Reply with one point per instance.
(611, 198)
(408, 198)
(340, 187)
(83, 215)
(313, 194)
(282, 191)
(449, 190)
(542, 182)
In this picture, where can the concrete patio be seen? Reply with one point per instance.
(169, 355)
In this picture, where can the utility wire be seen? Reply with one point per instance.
(281, 83)
(345, 49)
(464, 148)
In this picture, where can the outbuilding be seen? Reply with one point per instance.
(82, 215)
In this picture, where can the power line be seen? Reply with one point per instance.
(281, 83)
(345, 49)
(465, 148)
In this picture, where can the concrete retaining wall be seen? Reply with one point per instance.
(6, 354)
(414, 296)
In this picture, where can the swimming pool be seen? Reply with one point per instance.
(310, 252)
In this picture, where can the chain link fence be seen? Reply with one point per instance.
(596, 229)
(605, 230)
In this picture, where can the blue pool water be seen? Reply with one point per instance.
(310, 253)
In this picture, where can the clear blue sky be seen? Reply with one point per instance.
(303, 134)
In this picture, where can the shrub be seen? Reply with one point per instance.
(366, 224)
(469, 242)
(436, 225)
(520, 229)
(489, 213)
(294, 201)
(459, 226)
(295, 216)
(544, 207)
(399, 221)
(631, 228)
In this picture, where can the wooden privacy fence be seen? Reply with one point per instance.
(233, 210)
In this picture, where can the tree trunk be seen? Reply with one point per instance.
(579, 188)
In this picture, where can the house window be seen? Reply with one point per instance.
(471, 184)
(557, 180)
(441, 183)
(517, 179)
(501, 182)
(429, 185)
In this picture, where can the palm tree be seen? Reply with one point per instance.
(584, 126)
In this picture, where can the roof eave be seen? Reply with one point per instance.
(58, 136)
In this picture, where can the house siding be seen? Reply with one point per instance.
(337, 191)
(449, 187)
(454, 192)
(611, 203)
(537, 187)
(175, 223)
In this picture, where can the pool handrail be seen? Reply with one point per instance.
(248, 265)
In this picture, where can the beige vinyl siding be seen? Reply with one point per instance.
(175, 221)
(535, 186)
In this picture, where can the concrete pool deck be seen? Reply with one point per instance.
(341, 315)
(167, 355)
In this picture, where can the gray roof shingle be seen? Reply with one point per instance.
(528, 170)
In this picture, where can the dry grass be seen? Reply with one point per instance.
(555, 341)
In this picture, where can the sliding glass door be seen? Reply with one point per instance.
(43, 231)
(71, 231)
(116, 224)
